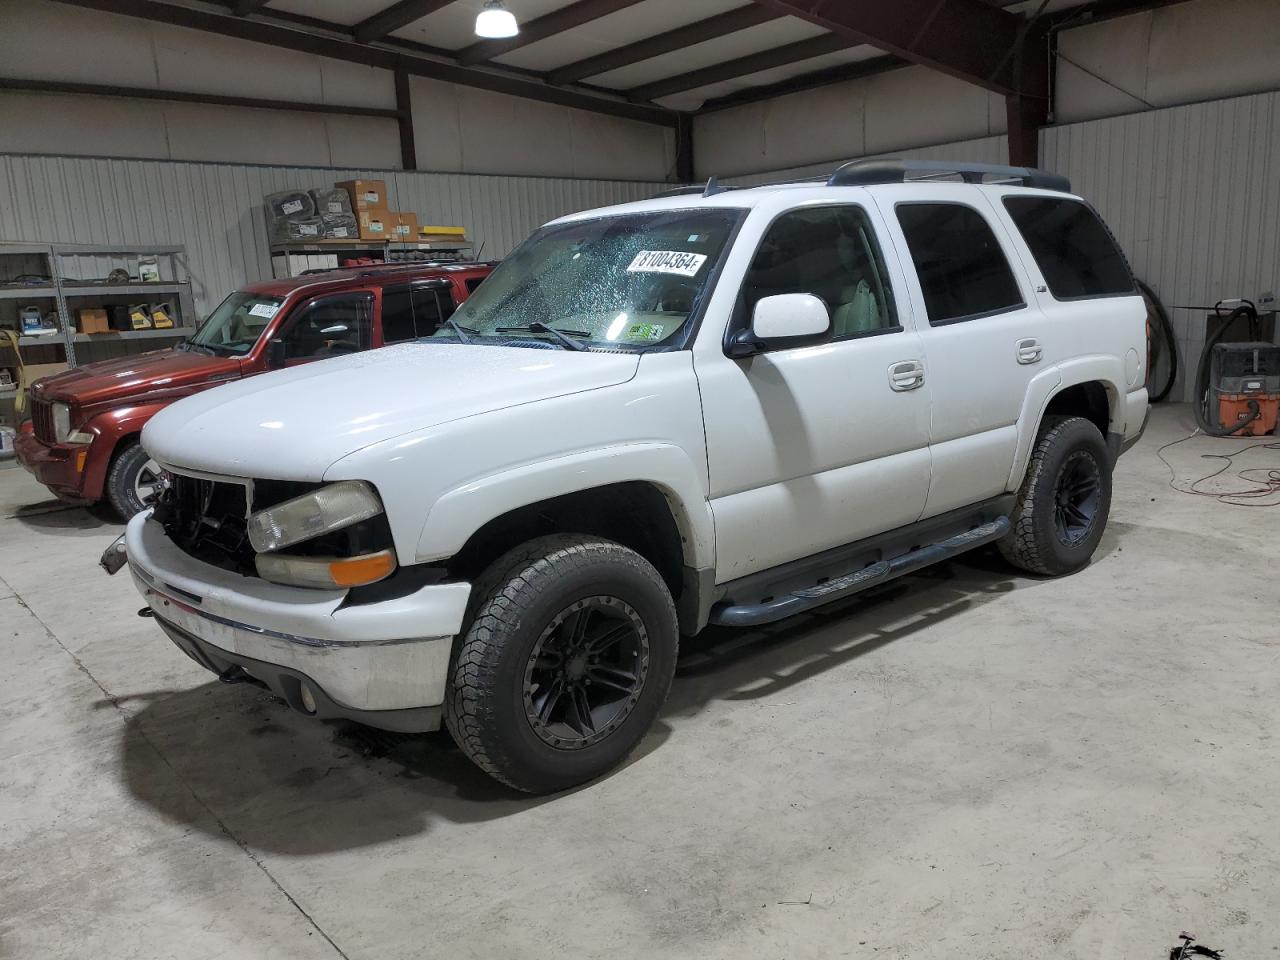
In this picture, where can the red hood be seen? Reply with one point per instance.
(141, 375)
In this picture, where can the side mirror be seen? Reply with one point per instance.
(783, 320)
(275, 353)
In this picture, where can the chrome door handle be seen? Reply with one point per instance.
(906, 375)
(1029, 350)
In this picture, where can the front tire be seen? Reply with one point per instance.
(568, 657)
(1064, 501)
(132, 481)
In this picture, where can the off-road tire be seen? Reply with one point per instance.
(121, 481)
(1033, 544)
(512, 603)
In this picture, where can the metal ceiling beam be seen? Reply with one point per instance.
(731, 21)
(372, 56)
(394, 17)
(183, 96)
(243, 8)
(557, 21)
(968, 39)
(807, 81)
(742, 66)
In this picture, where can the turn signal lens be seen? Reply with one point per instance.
(325, 572)
(358, 571)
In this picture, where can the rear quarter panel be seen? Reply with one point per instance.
(1088, 339)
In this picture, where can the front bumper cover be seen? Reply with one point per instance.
(54, 465)
(366, 659)
(287, 684)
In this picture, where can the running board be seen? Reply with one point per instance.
(798, 601)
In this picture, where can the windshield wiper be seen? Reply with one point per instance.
(537, 326)
(459, 330)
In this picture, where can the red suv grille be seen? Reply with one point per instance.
(42, 420)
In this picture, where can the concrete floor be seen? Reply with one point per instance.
(970, 760)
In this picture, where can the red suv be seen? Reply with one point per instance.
(82, 439)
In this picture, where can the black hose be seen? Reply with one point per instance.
(1170, 345)
(1200, 398)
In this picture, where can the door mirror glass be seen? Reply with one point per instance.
(789, 317)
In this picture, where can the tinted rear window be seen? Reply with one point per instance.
(1072, 247)
(963, 272)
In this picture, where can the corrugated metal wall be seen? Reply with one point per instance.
(215, 210)
(982, 150)
(1193, 195)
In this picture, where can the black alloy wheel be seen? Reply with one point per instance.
(586, 672)
(1077, 497)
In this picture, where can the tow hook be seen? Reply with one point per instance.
(114, 557)
(234, 674)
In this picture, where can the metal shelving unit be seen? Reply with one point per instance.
(68, 292)
(392, 251)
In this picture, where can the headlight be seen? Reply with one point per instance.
(330, 508)
(62, 431)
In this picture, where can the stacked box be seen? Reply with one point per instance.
(404, 226)
(365, 194)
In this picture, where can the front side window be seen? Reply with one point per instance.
(830, 252)
(237, 323)
(632, 281)
(330, 327)
(1071, 246)
(962, 270)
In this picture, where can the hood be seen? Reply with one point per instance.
(136, 376)
(293, 424)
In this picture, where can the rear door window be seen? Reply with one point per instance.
(1072, 247)
(432, 303)
(397, 315)
(963, 272)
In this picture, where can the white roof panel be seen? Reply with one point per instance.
(634, 23)
(344, 12)
(709, 53)
(693, 99)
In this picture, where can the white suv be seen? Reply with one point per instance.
(715, 406)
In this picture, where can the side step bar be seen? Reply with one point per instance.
(799, 601)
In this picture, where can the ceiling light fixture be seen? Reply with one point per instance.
(496, 22)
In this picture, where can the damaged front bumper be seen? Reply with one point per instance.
(384, 664)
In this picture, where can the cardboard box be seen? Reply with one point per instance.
(375, 224)
(365, 194)
(404, 226)
(93, 320)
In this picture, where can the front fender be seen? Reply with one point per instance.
(464, 509)
(110, 428)
(1108, 370)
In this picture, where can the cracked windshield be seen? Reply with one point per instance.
(627, 281)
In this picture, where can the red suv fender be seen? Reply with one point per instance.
(113, 428)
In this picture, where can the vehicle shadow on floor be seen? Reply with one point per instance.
(277, 781)
(270, 778)
(743, 664)
(56, 517)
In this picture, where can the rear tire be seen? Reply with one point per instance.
(568, 656)
(1063, 503)
(131, 481)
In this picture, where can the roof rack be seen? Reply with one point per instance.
(710, 189)
(861, 173)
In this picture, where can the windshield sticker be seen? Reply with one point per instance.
(265, 310)
(646, 331)
(667, 261)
